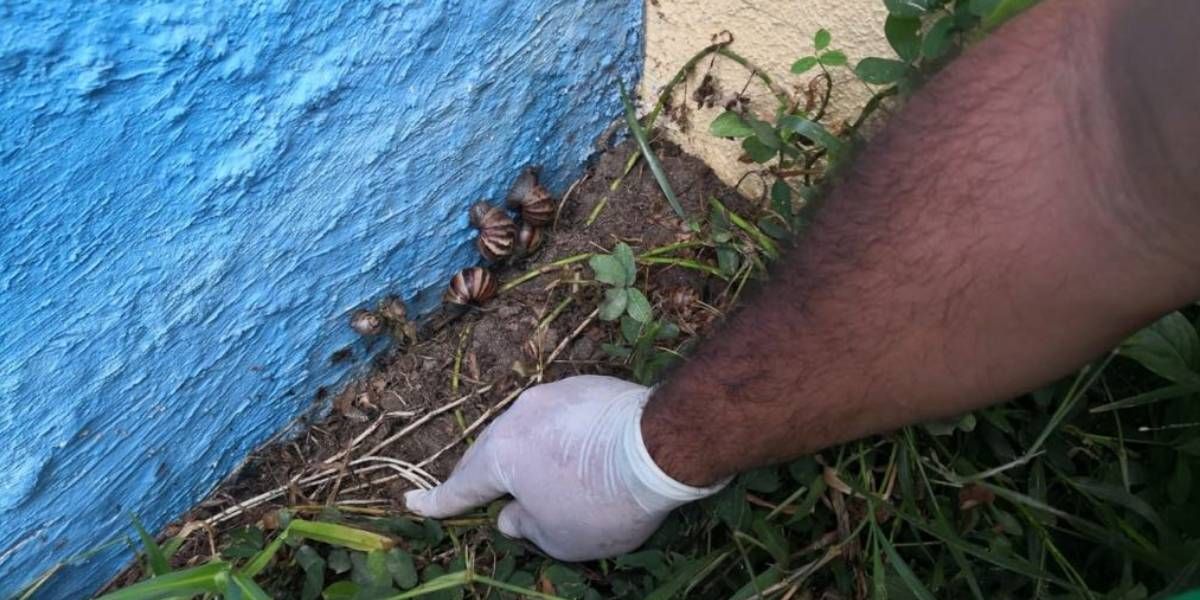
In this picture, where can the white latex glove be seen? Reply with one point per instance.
(571, 453)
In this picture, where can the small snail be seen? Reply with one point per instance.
(392, 309)
(474, 285)
(365, 322)
(533, 200)
(681, 299)
(529, 239)
(496, 231)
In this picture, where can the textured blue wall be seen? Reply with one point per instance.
(193, 196)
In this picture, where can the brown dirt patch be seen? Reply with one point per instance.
(496, 342)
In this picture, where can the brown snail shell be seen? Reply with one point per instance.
(681, 299)
(365, 322)
(497, 231)
(534, 201)
(474, 285)
(529, 239)
(393, 310)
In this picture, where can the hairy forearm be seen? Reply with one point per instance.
(1012, 221)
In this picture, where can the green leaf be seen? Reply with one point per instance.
(833, 58)
(244, 543)
(651, 561)
(731, 125)
(757, 151)
(339, 561)
(342, 590)
(815, 132)
(400, 566)
(904, 34)
(607, 269)
(907, 8)
(656, 167)
(616, 351)
(781, 199)
(728, 260)
(624, 255)
(763, 480)
(154, 554)
(804, 64)
(666, 331)
(1169, 347)
(614, 303)
(765, 133)
(937, 39)
(568, 583)
(1005, 10)
(314, 572)
(821, 39)
(982, 8)
(772, 226)
(880, 71)
(638, 306)
(631, 330)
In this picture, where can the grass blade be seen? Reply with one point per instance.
(204, 579)
(1170, 392)
(260, 561)
(154, 554)
(246, 588)
(656, 167)
(910, 579)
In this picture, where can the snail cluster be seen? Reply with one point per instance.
(501, 237)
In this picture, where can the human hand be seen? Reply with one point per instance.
(571, 453)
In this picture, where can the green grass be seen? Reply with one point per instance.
(1082, 489)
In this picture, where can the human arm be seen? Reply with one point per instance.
(1028, 208)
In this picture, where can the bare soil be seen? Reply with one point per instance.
(492, 346)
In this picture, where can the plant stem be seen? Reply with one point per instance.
(542, 270)
(768, 247)
(683, 262)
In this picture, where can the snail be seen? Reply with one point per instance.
(392, 309)
(474, 285)
(496, 231)
(366, 323)
(529, 239)
(681, 299)
(533, 200)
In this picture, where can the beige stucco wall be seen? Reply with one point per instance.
(770, 33)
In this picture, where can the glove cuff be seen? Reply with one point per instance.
(647, 472)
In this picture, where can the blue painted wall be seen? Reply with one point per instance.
(194, 195)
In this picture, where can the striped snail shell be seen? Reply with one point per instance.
(365, 322)
(474, 285)
(497, 231)
(534, 201)
(529, 239)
